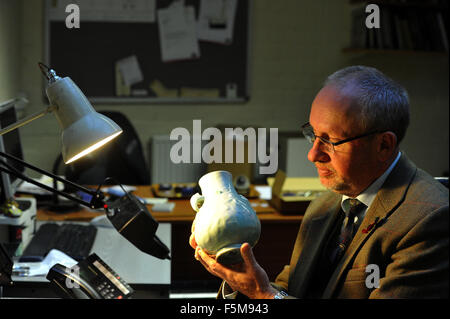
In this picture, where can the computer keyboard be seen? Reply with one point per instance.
(73, 239)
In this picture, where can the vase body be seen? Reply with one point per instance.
(224, 220)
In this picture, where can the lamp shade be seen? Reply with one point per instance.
(83, 129)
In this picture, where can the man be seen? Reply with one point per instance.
(382, 229)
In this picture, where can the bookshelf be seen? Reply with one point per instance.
(406, 27)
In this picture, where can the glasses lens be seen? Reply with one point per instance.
(308, 132)
(327, 146)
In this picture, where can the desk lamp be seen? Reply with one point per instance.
(83, 131)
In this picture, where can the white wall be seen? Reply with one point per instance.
(294, 46)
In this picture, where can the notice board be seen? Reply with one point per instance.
(89, 56)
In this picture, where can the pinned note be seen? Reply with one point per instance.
(216, 21)
(121, 88)
(130, 70)
(161, 91)
(231, 89)
(177, 33)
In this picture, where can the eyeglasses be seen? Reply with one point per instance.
(308, 132)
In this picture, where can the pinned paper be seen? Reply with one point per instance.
(121, 88)
(216, 21)
(177, 32)
(161, 91)
(231, 89)
(216, 13)
(130, 70)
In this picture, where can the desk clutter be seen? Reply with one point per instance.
(175, 190)
(292, 195)
(186, 190)
(72, 239)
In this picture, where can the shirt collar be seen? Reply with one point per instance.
(369, 194)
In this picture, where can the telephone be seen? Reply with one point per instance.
(91, 278)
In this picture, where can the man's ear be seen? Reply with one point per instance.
(387, 143)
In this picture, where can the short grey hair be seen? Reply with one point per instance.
(384, 103)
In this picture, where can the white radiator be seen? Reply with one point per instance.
(163, 170)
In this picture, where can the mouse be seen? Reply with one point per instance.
(101, 221)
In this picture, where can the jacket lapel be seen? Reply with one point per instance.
(316, 235)
(387, 200)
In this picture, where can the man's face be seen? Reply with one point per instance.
(352, 167)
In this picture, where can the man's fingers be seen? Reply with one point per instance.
(205, 257)
(192, 241)
(210, 263)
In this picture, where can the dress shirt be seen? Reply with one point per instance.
(369, 194)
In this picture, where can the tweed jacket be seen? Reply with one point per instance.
(404, 234)
(403, 239)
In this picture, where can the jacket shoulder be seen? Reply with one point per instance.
(427, 190)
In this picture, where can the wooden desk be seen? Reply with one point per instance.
(273, 251)
(182, 212)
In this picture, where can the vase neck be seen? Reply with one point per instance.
(216, 181)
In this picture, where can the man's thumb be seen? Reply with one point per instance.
(247, 254)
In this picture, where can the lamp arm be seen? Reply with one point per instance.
(97, 197)
(30, 180)
(27, 120)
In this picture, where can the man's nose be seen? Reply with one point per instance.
(316, 154)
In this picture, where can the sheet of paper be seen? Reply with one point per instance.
(27, 187)
(130, 70)
(121, 88)
(216, 21)
(42, 268)
(105, 10)
(163, 207)
(161, 91)
(265, 192)
(177, 33)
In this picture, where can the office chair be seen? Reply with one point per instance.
(121, 159)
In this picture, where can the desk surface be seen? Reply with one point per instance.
(271, 255)
(182, 212)
(134, 266)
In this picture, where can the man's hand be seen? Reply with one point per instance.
(247, 277)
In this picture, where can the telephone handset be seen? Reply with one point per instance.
(91, 278)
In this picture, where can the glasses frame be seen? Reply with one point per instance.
(312, 137)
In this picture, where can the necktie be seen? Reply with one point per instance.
(351, 208)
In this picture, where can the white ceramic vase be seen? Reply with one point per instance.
(224, 220)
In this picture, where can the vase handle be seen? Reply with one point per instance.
(197, 201)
